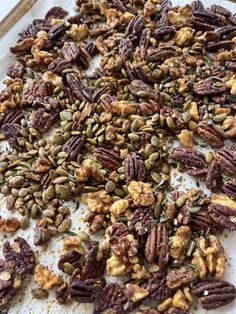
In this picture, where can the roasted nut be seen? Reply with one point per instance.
(83, 174)
(62, 294)
(227, 157)
(201, 221)
(157, 287)
(209, 258)
(73, 147)
(209, 86)
(135, 293)
(108, 158)
(181, 301)
(45, 278)
(229, 188)
(214, 177)
(39, 293)
(72, 257)
(213, 294)
(73, 243)
(156, 247)
(189, 157)
(180, 276)
(140, 221)
(85, 292)
(42, 120)
(212, 134)
(179, 243)
(183, 15)
(134, 168)
(141, 193)
(10, 224)
(97, 202)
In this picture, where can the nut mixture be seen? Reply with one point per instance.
(166, 74)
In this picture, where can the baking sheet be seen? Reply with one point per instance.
(24, 302)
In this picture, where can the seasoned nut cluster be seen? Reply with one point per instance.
(104, 107)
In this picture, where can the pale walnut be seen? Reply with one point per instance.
(116, 266)
(40, 58)
(141, 193)
(101, 46)
(124, 108)
(117, 208)
(231, 84)
(126, 17)
(229, 126)
(182, 16)
(9, 225)
(23, 45)
(183, 36)
(97, 202)
(83, 174)
(186, 138)
(45, 278)
(113, 19)
(209, 257)
(42, 165)
(193, 110)
(78, 32)
(182, 300)
(179, 243)
(53, 78)
(73, 243)
(135, 293)
(139, 272)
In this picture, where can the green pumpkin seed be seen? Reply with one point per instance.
(39, 293)
(68, 268)
(220, 117)
(110, 186)
(24, 222)
(181, 200)
(48, 213)
(65, 225)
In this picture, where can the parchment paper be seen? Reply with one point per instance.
(24, 303)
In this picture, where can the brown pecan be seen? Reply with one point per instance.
(156, 247)
(202, 221)
(134, 168)
(214, 293)
(46, 180)
(70, 51)
(141, 221)
(7, 295)
(211, 36)
(209, 86)
(226, 30)
(143, 43)
(229, 188)
(11, 133)
(201, 25)
(16, 70)
(13, 117)
(84, 291)
(144, 139)
(135, 72)
(43, 120)
(161, 54)
(126, 48)
(148, 109)
(23, 46)
(180, 276)
(117, 231)
(197, 5)
(56, 31)
(35, 91)
(107, 157)
(135, 26)
(225, 44)
(231, 66)
(189, 157)
(157, 287)
(214, 177)
(207, 16)
(227, 160)
(56, 13)
(19, 256)
(221, 215)
(212, 134)
(74, 146)
(138, 86)
(95, 263)
(62, 294)
(76, 87)
(111, 298)
(220, 10)
(166, 5)
(72, 257)
(163, 31)
(58, 65)
(41, 236)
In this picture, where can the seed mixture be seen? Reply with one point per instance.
(106, 137)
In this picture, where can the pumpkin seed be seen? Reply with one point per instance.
(65, 225)
(24, 222)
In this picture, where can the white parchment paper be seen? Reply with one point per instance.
(24, 303)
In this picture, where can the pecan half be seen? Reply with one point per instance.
(13, 117)
(214, 293)
(227, 160)
(180, 276)
(220, 10)
(135, 26)
(58, 65)
(43, 120)
(141, 221)
(19, 256)
(229, 188)
(225, 44)
(161, 54)
(41, 236)
(74, 146)
(212, 134)
(72, 257)
(134, 168)
(56, 31)
(35, 91)
(137, 86)
(107, 157)
(209, 86)
(11, 133)
(95, 263)
(62, 294)
(6, 297)
(221, 215)
(144, 139)
(76, 87)
(189, 157)
(16, 70)
(117, 231)
(156, 247)
(111, 298)
(56, 13)
(157, 287)
(202, 221)
(163, 31)
(214, 177)
(84, 291)
(126, 48)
